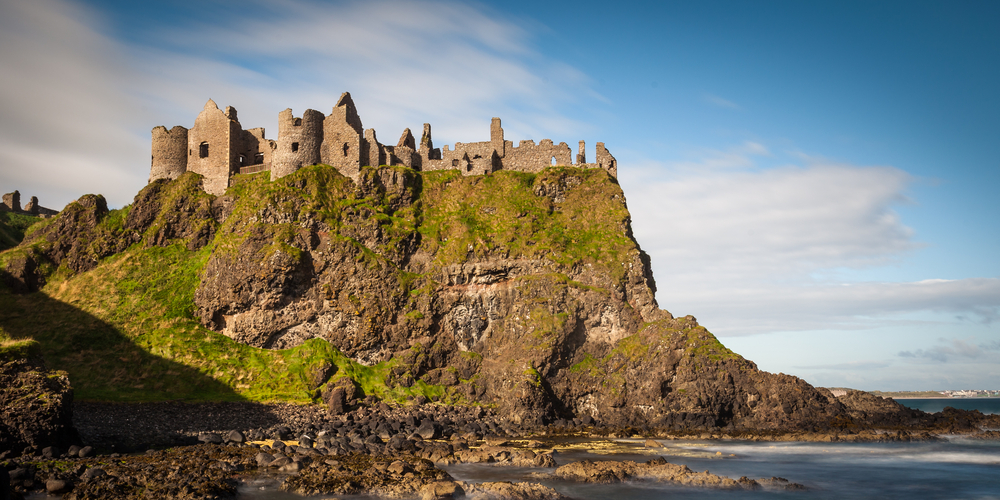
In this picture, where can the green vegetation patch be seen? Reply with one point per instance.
(13, 228)
(512, 213)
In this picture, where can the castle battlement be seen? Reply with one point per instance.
(218, 147)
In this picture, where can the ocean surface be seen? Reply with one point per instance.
(985, 405)
(954, 468)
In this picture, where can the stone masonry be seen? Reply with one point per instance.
(12, 203)
(217, 147)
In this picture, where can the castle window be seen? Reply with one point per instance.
(243, 160)
(298, 122)
(346, 148)
(258, 158)
(553, 160)
(468, 168)
(295, 147)
(454, 162)
(203, 150)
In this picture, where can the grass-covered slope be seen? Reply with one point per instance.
(124, 329)
(12, 228)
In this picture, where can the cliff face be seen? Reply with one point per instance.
(525, 291)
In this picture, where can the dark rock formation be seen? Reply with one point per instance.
(36, 405)
(659, 470)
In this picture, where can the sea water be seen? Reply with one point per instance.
(952, 468)
(948, 469)
(989, 406)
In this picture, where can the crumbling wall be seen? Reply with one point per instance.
(299, 142)
(32, 206)
(254, 153)
(405, 152)
(531, 157)
(427, 151)
(211, 150)
(374, 153)
(342, 138)
(12, 201)
(170, 153)
(606, 161)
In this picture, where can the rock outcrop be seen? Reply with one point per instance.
(659, 470)
(37, 403)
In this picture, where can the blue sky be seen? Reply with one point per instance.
(815, 181)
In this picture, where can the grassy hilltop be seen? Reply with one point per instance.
(125, 328)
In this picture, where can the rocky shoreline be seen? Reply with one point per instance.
(208, 450)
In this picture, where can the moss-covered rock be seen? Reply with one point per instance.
(36, 404)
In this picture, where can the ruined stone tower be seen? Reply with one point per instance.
(299, 142)
(170, 151)
(342, 137)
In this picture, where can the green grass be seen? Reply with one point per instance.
(125, 332)
(13, 228)
(500, 213)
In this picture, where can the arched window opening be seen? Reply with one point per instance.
(553, 160)
(243, 160)
(454, 162)
(295, 147)
(258, 158)
(346, 148)
(468, 167)
(203, 150)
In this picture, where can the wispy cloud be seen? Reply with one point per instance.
(849, 366)
(956, 350)
(720, 102)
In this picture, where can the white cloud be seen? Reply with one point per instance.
(78, 105)
(741, 246)
(961, 350)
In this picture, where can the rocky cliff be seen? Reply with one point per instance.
(522, 291)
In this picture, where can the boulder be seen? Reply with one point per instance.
(36, 404)
(210, 437)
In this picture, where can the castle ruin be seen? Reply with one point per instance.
(12, 203)
(217, 147)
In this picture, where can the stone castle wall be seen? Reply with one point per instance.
(12, 203)
(342, 133)
(211, 150)
(217, 147)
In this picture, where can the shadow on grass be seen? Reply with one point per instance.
(103, 363)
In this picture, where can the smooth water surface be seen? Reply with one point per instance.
(989, 406)
(955, 469)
